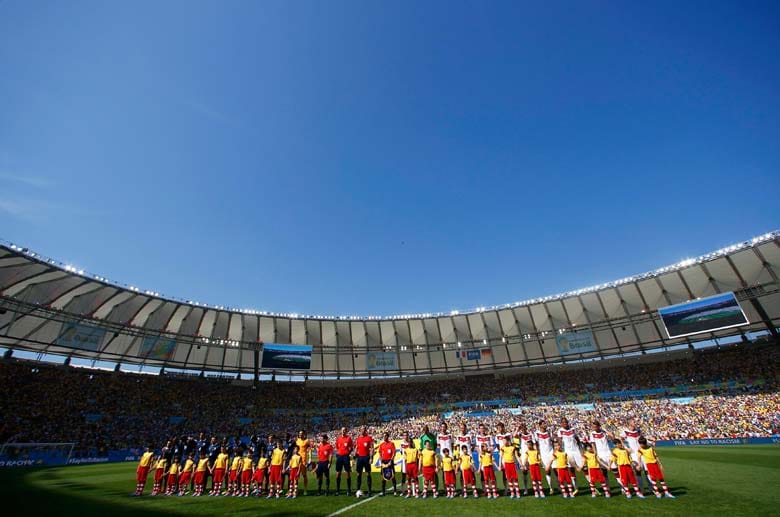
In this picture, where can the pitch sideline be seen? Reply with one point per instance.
(353, 505)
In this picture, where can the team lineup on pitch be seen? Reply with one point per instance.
(427, 465)
(707, 480)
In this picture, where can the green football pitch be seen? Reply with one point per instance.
(730, 480)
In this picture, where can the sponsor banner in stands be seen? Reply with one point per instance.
(632, 393)
(720, 441)
(84, 337)
(380, 361)
(494, 402)
(479, 414)
(161, 348)
(578, 342)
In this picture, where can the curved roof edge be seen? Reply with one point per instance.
(760, 239)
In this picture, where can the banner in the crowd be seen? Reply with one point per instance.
(717, 312)
(78, 335)
(93, 417)
(479, 414)
(631, 393)
(286, 357)
(381, 361)
(176, 419)
(682, 400)
(365, 409)
(577, 342)
(585, 407)
(154, 347)
(494, 402)
(721, 441)
(244, 420)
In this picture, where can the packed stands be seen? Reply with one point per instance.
(713, 393)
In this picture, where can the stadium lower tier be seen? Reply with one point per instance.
(717, 394)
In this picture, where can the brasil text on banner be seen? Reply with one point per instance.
(380, 361)
(578, 342)
(78, 335)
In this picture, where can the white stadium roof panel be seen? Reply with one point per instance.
(38, 295)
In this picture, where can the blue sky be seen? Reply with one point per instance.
(385, 157)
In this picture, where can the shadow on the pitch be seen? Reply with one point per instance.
(24, 498)
(25, 494)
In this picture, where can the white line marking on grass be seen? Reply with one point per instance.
(347, 508)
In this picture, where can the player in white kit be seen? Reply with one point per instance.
(525, 437)
(498, 441)
(444, 440)
(481, 439)
(464, 438)
(544, 439)
(404, 445)
(571, 447)
(600, 440)
(630, 436)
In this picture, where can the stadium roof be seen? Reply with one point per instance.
(41, 299)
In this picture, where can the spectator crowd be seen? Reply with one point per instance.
(101, 410)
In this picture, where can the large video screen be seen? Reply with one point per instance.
(713, 313)
(286, 357)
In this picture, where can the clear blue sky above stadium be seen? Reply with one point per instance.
(385, 157)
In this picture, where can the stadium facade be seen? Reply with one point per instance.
(47, 307)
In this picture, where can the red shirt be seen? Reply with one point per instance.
(364, 444)
(324, 452)
(343, 445)
(387, 451)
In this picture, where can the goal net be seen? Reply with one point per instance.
(30, 454)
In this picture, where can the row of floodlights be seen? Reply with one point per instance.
(222, 342)
(577, 292)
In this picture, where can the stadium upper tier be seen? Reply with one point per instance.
(52, 308)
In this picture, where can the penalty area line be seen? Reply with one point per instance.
(353, 505)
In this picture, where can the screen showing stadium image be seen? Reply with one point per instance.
(286, 357)
(706, 315)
